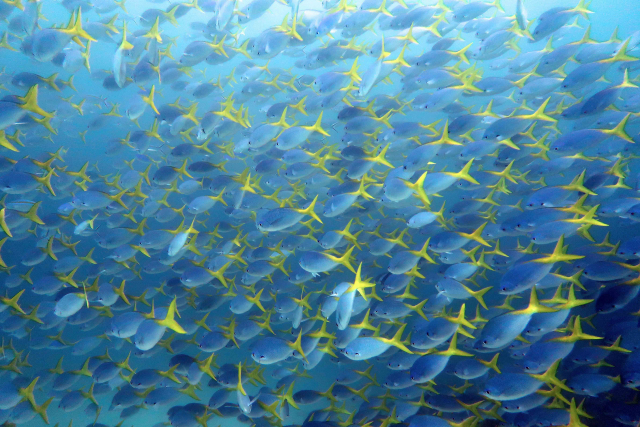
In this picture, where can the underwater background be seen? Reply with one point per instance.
(377, 213)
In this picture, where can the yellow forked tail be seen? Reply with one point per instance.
(310, 210)
(169, 320)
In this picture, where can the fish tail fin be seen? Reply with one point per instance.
(169, 320)
(297, 346)
(549, 377)
(256, 300)
(32, 214)
(124, 44)
(51, 81)
(360, 393)
(589, 218)
(478, 295)
(418, 188)
(380, 158)
(219, 198)
(267, 323)
(203, 322)
(300, 106)
(619, 130)
(282, 122)
(614, 36)
(409, 36)
(206, 366)
(139, 230)
(3, 223)
(317, 126)
(461, 319)
(46, 181)
(46, 122)
(92, 220)
(243, 49)
(577, 331)
(141, 249)
(464, 173)
(453, 348)
(584, 232)
(5, 42)
(271, 409)
(111, 24)
(577, 184)
(422, 253)
(42, 410)
(86, 56)
(534, 305)
(467, 84)
(4, 142)
(170, 374)
(76, 29)
(27, 276)
(205, 147)
(344, 259)
(383, 8)
(385, 119)
(219, 274)
(539, 114)
(89, 394)
(288, 396)
(194, 4)
(582, 8)
(293, 31)
(49, 249)
(492, 364)
(433, 28)
(497, 5)
(30, 102)
(13, 301)
(69, 83)
(280, 265)
(82, 173)
(362, 191)
(353, 71)
(616, 346)
(397, 340)
(310, 210)
(461, 53)
(476, 235)
(367, 374)
(191, 113)
(586, 37)
(496, 250)
(118, 198)
(182, 170)
(239, 386)
(621, 54)
(88, 258)
(2, 242)
(149, 100)
(120, 292)
(27, 392)
(171, 15)
(418, 308)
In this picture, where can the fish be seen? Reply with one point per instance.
(363, 212)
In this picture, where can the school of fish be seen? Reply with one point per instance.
(382, 212)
